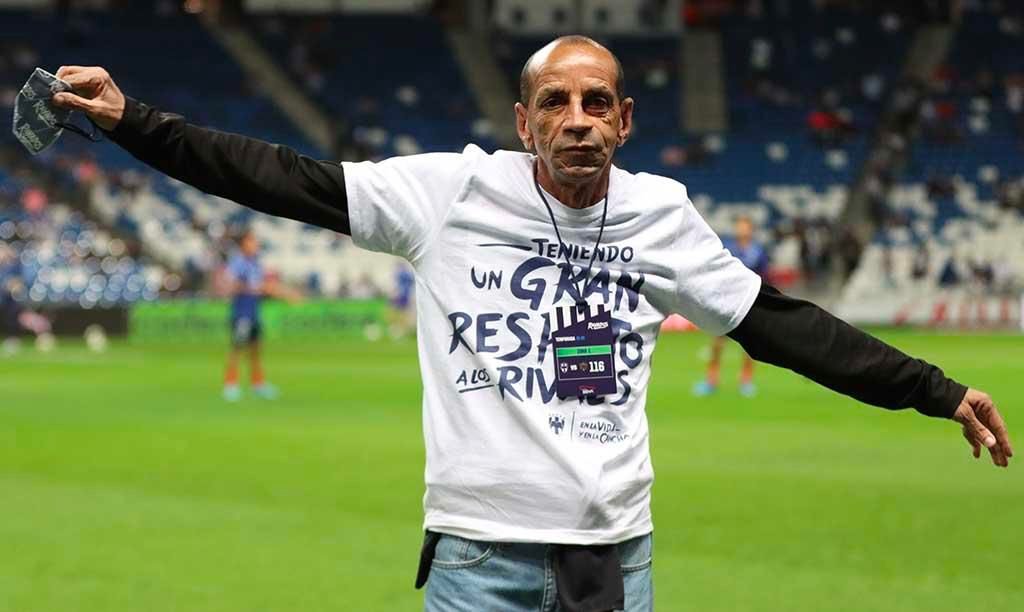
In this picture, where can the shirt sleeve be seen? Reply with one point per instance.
(714, 290)
(397, 205)
(800, 336)
(270, 178)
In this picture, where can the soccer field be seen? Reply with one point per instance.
(127, 484)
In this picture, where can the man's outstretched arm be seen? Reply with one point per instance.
(269, 178)
(802, 337)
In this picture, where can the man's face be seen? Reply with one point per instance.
(574, 119)
(250, 246)
(744, 230)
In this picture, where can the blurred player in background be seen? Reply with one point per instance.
(403, 318)
(16, 320)
(248, 284)
(754, 256)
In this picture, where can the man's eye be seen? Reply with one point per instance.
(550, 102)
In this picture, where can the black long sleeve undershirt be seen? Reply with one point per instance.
(804, 338)
(266, 177)
(779, 330)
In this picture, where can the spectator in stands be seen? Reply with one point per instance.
(344, 144)
(694, 153)
(981, 274)
(875, 190)
(826, 127)
(920, 265)
(34, 200)
(985, 83)
(1011, 194)
(815, 240)
(940, 186)
(949, 276)
(888, 268)
(673, 156)
(1003, 277)
(906, 104)
(849, 249)
(938, 122)
(86, 171)
(872, 87)
(1015, 93)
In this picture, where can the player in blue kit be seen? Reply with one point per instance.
(249, 284)
(403, 317)
(753, 255)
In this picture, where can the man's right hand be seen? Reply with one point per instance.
(95, 94)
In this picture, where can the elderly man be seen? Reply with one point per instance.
(542, 280)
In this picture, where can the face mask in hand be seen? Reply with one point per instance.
(37, 122)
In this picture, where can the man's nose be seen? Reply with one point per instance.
(577, 121)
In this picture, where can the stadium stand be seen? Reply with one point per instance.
(143, 48)
(955, 217)
(177, 225)
(60, 257)
(801, 111)
(397, 100)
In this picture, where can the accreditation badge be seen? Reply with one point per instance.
(584, 361)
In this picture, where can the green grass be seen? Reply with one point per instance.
(126, 484)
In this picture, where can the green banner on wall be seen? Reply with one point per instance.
(205, 320)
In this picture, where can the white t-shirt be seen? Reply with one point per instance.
(507, 460)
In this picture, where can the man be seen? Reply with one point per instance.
(15, 319)
(753, 255)
(248, 285)
(536, 497)
(401, 318)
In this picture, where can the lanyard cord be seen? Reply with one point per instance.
(562, 246)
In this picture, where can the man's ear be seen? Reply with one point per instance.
(522, 127)
(626, 121)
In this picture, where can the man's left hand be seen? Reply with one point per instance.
(984, 426)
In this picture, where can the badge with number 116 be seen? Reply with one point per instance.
(584, 362)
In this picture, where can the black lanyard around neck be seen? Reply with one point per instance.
(563, 247)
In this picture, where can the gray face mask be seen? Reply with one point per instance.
(37, 122)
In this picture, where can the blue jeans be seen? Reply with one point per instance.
(472, 576)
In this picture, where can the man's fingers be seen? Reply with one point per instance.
(979, 431)
(86, 78)
(982, 434)
(70, 100)
(998, 427)
(998, 457)
(975, 447)
(1001, 451)
(64, 71)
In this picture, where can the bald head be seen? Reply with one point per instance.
(541, 56)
